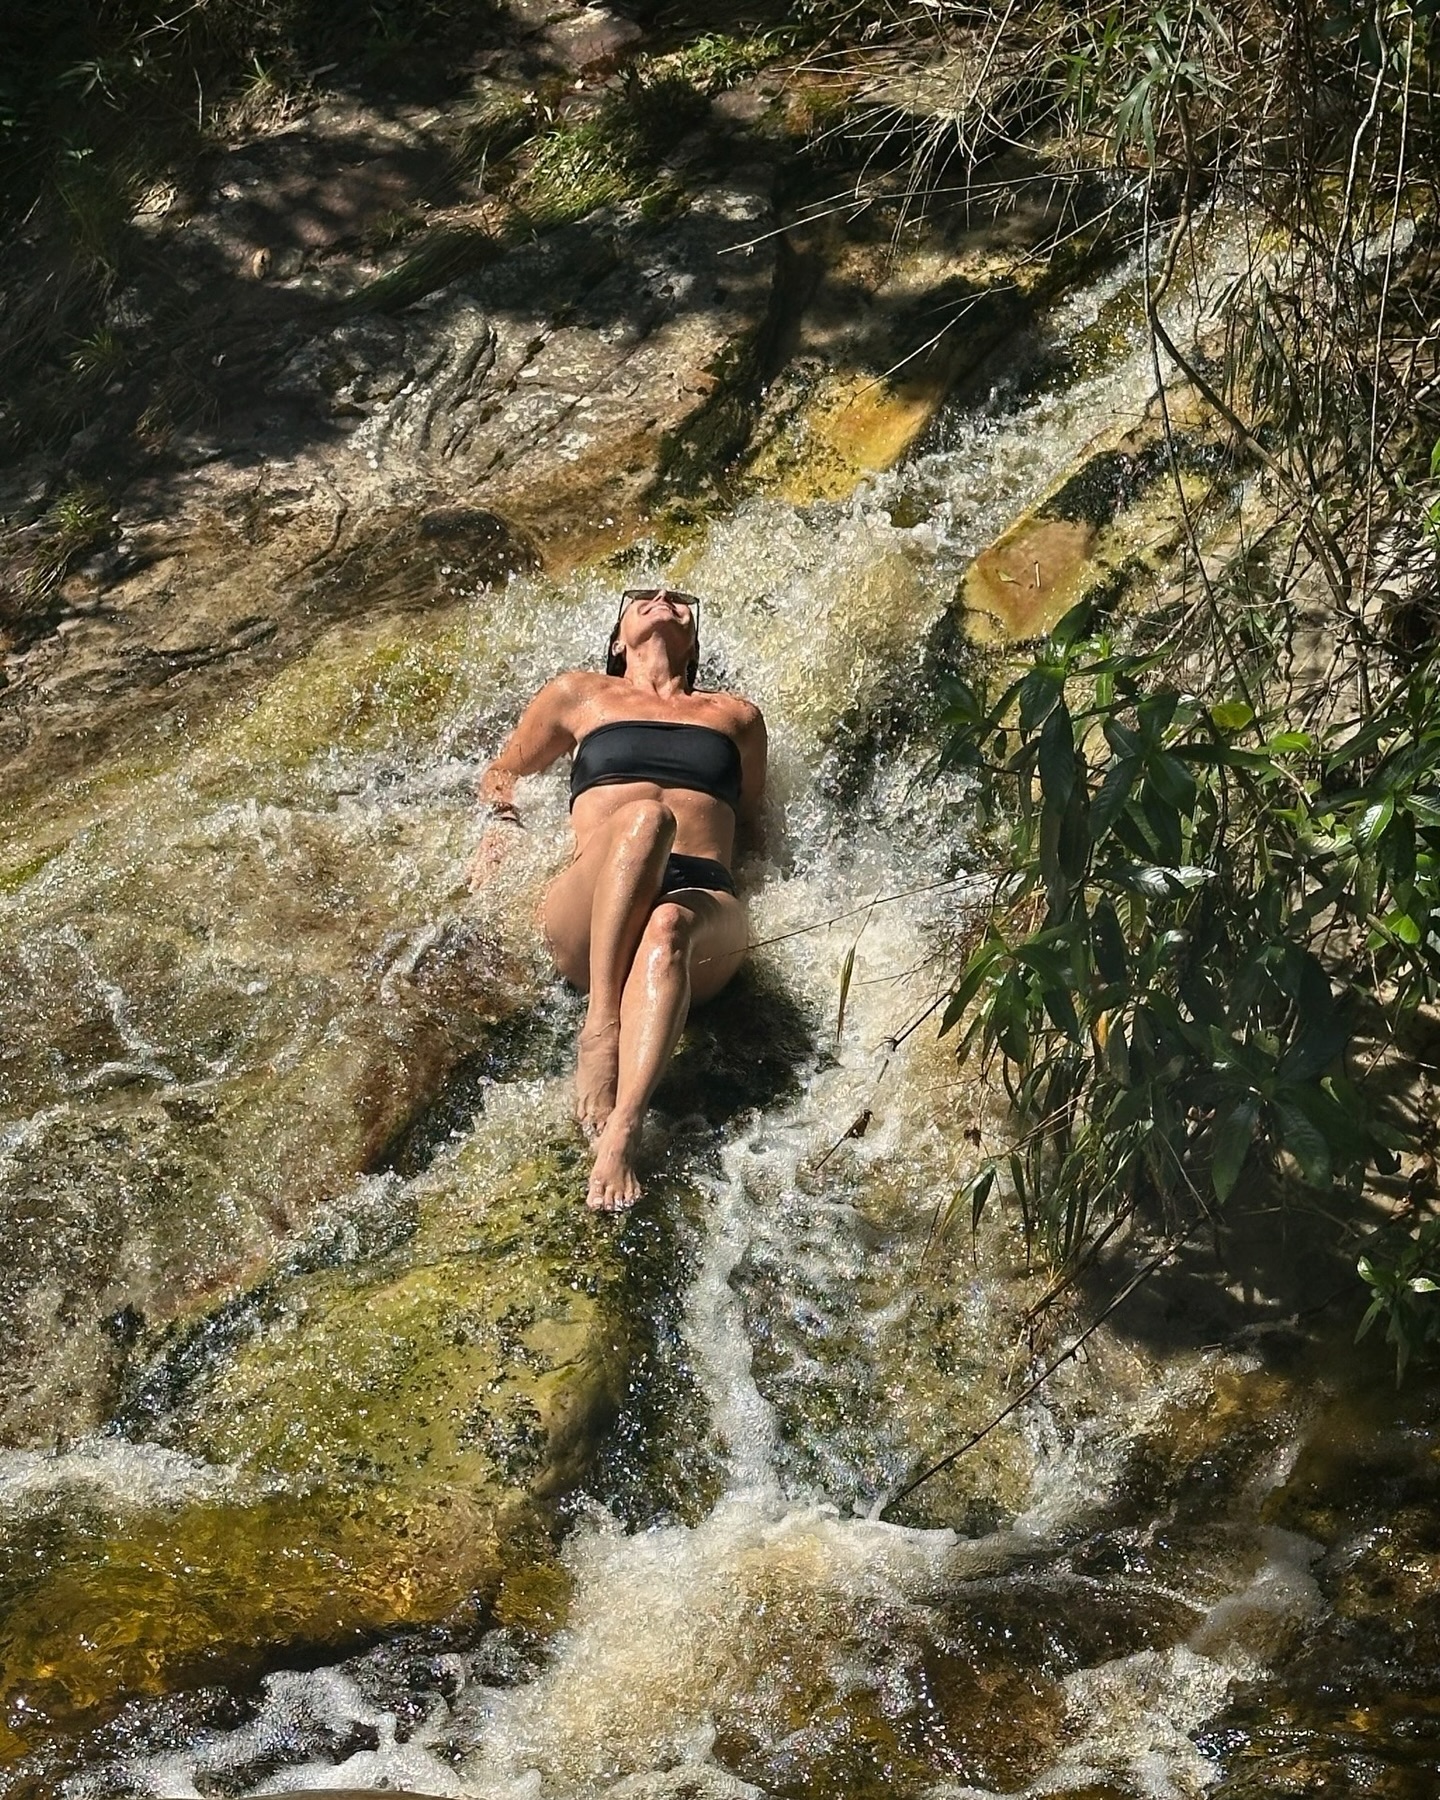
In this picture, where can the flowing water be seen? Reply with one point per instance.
(1071, 1610)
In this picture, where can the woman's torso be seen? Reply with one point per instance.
(704, 821)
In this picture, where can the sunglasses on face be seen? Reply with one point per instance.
(654, 593)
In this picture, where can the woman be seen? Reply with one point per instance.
(645, 919)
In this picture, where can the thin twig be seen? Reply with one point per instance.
(1031, 1388)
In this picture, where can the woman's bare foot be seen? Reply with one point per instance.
(613, 1182)
(597, 1065)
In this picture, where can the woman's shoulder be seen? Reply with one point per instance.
(738, 713)
(572, 692)
(743, 719)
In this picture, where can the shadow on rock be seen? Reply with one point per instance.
(742, 1052)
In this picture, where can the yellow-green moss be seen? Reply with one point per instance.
(398, 1423)
(377, 688)
(150, 1603)
(850, 426)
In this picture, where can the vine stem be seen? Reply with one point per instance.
(886, 1501)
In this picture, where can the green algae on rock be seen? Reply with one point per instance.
(390, 1433)
(226, 991)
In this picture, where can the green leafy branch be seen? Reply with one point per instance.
(1198, 911)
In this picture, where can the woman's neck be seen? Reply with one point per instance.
(648, 668)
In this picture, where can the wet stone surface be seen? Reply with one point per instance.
(1353, 1708)
(315, 1356)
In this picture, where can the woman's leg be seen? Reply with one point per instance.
(692, 943)
(594, 916)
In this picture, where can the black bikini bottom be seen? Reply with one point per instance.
(696, 872)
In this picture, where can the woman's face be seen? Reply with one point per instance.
(646, 612)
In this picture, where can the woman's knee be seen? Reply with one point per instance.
(645, 824)
(669, 932)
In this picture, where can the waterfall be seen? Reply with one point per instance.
(1059, 1636)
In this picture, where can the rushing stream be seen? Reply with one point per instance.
(1066, 1611)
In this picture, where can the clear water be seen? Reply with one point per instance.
(1047, 1621)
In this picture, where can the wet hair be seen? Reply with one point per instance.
(615, 658)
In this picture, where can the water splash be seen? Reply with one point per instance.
(784, 1639)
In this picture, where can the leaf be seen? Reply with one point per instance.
(1373, 821)
(964, 704)
(1114, 792)
(1156, 711)
(1135, 1104)
(971, 981)
(1402, 926)
(1117, 1053)
(1306, 1143)
(1320, 1041)
(1061, 1009)
(1017, 1180)
(1232, 715)
(1161, 883)
(1121, 739)
(1057, 757)
(1074, 845)
(1173, 782)
(1010, 1018)
(1108, 942)
(1048, 851)
(1164, 823)
(1372, 1312)
(1232, 1137)
(1369, 736)
(1285, 741)
(1401, 850)
(1071, 626)
(1038, 693)
(979, 1194)
(1227, 756)
(847, 969)
(1199, 995)
(1344, 1114)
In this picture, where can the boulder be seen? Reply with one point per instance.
(386, 1432)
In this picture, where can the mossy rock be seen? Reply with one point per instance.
(1110, 526)
(391, 1432)
(144, 1605)
(229, 997)
(482, 1356)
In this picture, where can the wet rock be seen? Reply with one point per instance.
(225, 1003)
(1032, 575)
(693, 1782)
(1356, 1693)
(388, 1432)
(578, 385)
(884, 326)
(593, 39)
(1109, 527)
(551, 390)
(973, 1698)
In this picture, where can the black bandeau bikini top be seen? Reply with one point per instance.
(671, 755)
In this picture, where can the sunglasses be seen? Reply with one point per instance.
(615, 659)
(653, 593)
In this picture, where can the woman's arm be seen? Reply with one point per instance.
(544, 733)
(753, 745)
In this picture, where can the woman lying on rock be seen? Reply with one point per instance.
(645, 919)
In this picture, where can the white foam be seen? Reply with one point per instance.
(110, 1471)
(816, 609)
